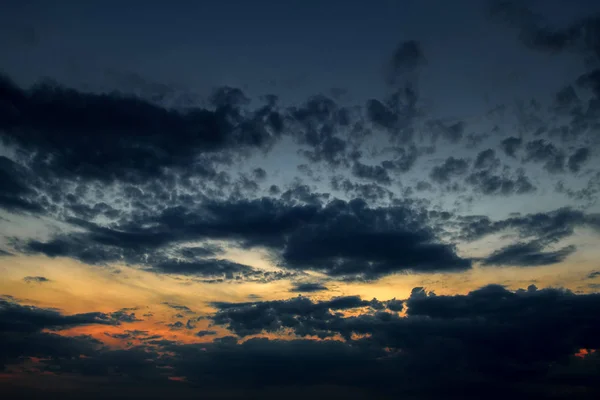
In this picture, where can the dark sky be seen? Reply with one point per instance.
(300, 199)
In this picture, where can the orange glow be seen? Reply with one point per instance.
(582, 353)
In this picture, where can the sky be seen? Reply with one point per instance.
(302, 199)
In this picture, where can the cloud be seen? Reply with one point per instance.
(154, 184)
(308, 287)
(352, 239)
(176, 325)
(398, 111)
(510, 145)
(578, 159)
(179, 307)
(529, 254)
(124, 315)
(74, 247)
(216, 268)
(370, 192)
(200, 251)
(301, 314)
(542, 151)
(259, 173)
(537, 34)
(591, 80)
(545, 227)
(375, 173)
(15, 317)
(16, 191)
(383, 116)
(303, 194)
(451, 168)
(594, 275)
(407, 57)
(317, 125)
(338, 238)
(122, 137)
(489, 183)
(490, 335)
(35, 279)
(204, 333)
(96, 250)
(486, 159)
(404, 159)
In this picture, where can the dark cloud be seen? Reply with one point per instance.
(587, 193)
(548, 227)
(566, 99)
(375, 173)
(120, 336)
(489, 183)
(491, 342)
(510, 145)
(398, 111)
(423, 186)
(215, 268)
(395, 114)
(179, 307)
(405, 158)
(542, 151)
(16, 345)
(370, 192)
(15, 317)
(382, 115)
(578, 159)
(190, 324)
(36, 279)
(451, 168)
(274, 190)
(351, 239)
(94, 250)
(318, 124)
(200, 251)
(407, 57)
(486, 159)
(153, 180)
(259, 173)
(204, 333)
(308, 287)
(129, 334)
(530, 254)
(119, 137)
(75, 247)
(16, 188)
(301, 314)
(339, 238)
(538, 34)
(491, 333)
(395, 305)
(591, 80)
(124, 315)
(176, 325)
(304, 194)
